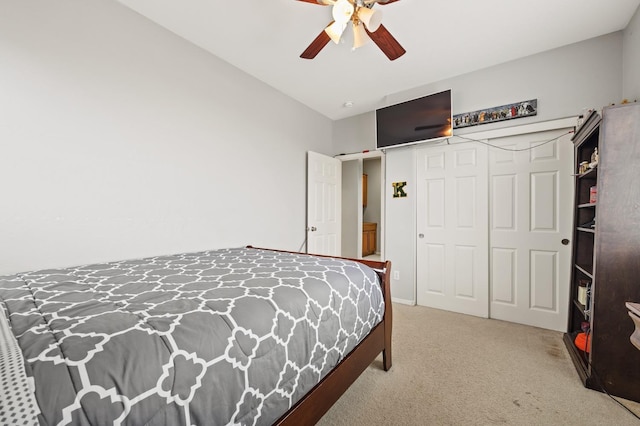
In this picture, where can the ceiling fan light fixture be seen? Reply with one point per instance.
(342, 11)
(360, 37)
(370, 18)
(335, 30)
(366, 25)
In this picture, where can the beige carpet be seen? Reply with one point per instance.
(453, 369)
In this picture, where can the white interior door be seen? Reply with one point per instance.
(324, 200)
(531, 192)
(452, 226)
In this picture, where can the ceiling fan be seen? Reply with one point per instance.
(366, 24)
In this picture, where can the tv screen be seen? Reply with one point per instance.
(417, 120)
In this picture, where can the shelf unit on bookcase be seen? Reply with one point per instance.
(606, 247)
(585, 140)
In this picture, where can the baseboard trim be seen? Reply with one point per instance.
(403, 301)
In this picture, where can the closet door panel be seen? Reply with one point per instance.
(452, 235)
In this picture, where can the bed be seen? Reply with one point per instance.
(234, 336)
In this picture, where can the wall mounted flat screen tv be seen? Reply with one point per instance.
(423, 119)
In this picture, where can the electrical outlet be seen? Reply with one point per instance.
(396, 275)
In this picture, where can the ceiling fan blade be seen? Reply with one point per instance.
(316, 46)
(320, 2)
(382, 2)
(387, 43)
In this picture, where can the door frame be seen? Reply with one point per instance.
(523, 129)
(363, 156)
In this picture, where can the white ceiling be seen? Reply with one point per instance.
(443, 38)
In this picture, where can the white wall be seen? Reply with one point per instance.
(354, 134)
(631, 59)
(564, 80)
(400, 220)
(119, 139)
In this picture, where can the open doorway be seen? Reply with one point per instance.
(363, 205)
(372, 208)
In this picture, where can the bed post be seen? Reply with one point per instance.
(388, 320)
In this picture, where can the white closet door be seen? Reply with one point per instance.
(531, 192)
(452, 226)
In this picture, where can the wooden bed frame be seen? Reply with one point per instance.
(319, 400)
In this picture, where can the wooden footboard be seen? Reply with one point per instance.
(320, 399)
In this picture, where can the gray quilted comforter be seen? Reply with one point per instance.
(232, 336)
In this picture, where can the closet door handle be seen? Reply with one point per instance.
(420, 235)
(565, 242)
